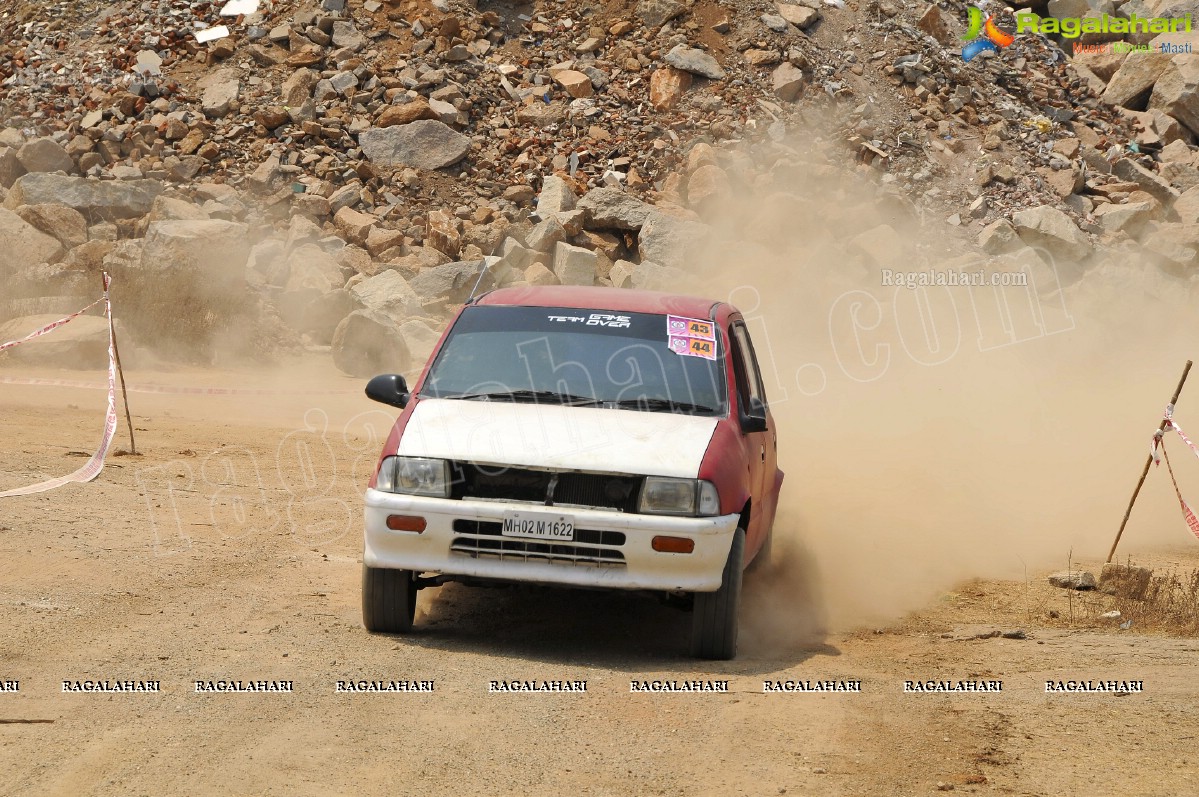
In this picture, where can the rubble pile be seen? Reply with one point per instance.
(343, 173)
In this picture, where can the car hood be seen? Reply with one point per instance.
(558, 437)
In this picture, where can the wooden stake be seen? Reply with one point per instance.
(1148, 462)
(121, 373)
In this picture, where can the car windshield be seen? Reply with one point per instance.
(637, 361)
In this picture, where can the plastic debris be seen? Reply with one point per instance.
(212, 34)
(235, 8)
(1042, 123)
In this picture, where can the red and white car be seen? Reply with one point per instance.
(591, 437)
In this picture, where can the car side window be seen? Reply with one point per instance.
(747, 363)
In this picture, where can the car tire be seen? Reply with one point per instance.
(388, 600)
(714, 614)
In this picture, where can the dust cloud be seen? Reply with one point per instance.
(933, 435)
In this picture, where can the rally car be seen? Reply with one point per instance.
(581, 436)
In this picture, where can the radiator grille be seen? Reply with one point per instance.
(604, 491)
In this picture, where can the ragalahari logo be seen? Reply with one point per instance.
(994, 38)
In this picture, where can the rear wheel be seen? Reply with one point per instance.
(388, 600)
(714, 614)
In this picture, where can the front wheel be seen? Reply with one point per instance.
(714, 614)
(388, 600)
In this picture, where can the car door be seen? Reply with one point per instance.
(760, 436)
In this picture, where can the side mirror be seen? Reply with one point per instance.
(389, 389)
(753, 418)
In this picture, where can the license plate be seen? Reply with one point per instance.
(538, 525)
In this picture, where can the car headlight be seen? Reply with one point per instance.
(663, 496)
(414, 476)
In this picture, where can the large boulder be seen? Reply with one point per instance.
(621, 273)
(655, 13)
(297, 88)
(321, 316)
(387, 294)
(1129, 217)
(64, 223)
(667, 86)
(312, 271)
(556, 197)
(671, 241)
(312, 301)
(1149, 182)
(354, 225)
(545, 235)
(613, 209)
(415, 110)
(649, 276)
(218, 99)
(45, 155)
(453, 283)
(695, 61)
(367, 343)
(443, 232)
(1052, 232)
(1174, 248)
(707, 186)
(10, 167)
(804, 17)
(877, 245)
(574, 265)
(97, 200)
(999, 237)
(423, 144)
(215, 250)
(345, 34)
(1176, 91)
(24, 245)
(1133, 82)
(1187, 206)
(186, 293)
(420, 338)
(416, 259)
(172, 209)
(787, 80)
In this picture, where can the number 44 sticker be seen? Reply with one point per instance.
(691, 337)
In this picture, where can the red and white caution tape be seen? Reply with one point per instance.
(175, 389)
(1159, 444)
(1187, 514)
(52, 326)
(91, 469)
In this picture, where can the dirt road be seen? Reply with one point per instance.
(230, 549)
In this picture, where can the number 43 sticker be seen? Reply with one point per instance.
(691, 337)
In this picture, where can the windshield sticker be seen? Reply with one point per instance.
(594, 320)
(693, 347)
(606, 320)
(678, 326)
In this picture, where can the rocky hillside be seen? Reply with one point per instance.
(343, 173)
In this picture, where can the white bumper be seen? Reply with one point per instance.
(597, 558)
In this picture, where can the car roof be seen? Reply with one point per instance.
(599, 298)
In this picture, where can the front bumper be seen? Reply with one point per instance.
(611, 549)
